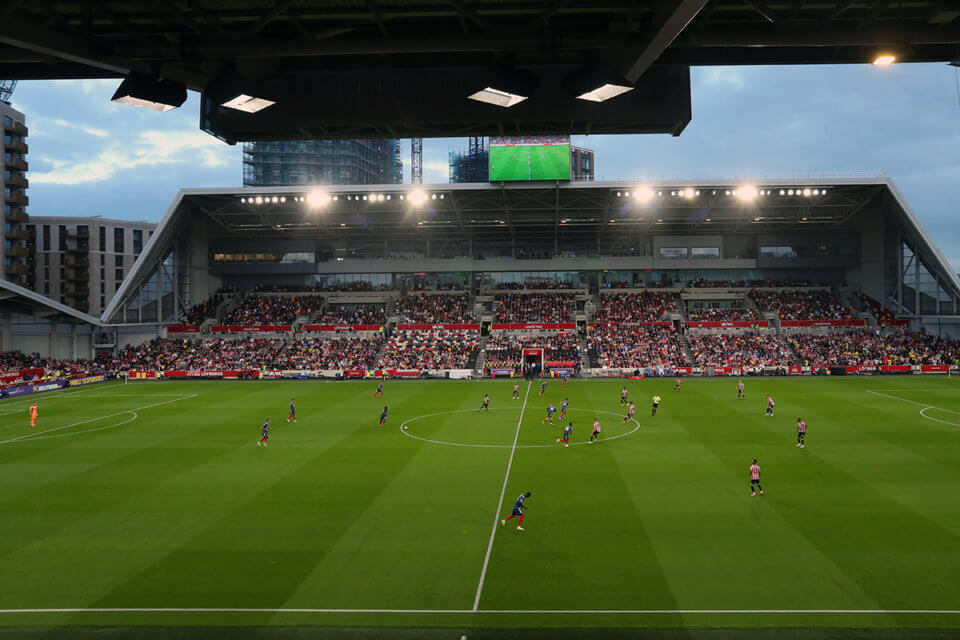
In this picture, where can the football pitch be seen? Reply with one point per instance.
(530, 162)
(150, 505)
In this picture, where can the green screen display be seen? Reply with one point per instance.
(530, 158)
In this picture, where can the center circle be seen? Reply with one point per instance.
(508, 446)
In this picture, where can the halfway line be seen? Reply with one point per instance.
(503, 491)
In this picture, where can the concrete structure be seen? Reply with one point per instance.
(81, 262)
(330, 162)
(16, 252)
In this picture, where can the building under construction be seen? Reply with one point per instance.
(335, 162)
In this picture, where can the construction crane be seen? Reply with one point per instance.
(6, 89)
(416, 160)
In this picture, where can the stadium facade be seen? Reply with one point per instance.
(16, 243)
(855, 234)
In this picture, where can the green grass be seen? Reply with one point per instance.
(174, 506)
(530, 162)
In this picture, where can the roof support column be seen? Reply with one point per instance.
(52, 340)
(6, 328)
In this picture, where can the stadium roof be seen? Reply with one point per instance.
(17, 299)
(398, 68)
(611, 215)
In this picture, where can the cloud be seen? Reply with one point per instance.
(435, 171)
(39, 127)
(149, 148)
(727, 76)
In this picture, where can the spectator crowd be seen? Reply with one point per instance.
(437, 308)
(637, 307)
(532, 307)
(635, 346)
(798, 304)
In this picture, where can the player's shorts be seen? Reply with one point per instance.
(293, 414)
(656, 404)
(754, 481)
(264, 434)
(517, 512)
(596, 433)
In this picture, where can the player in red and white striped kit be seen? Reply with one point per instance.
(740, 394)
(755, 479)
(770, 404)
(801, 432)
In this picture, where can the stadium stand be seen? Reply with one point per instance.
(637, 307)
(742, 349)
(799, 304)
(451, 309)
(635, 346)
(532, 307)
(435, 349)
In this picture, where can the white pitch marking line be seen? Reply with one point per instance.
(506, 446)
(954, 424)
(503, 491)
(77, 433)
(488, 611)
(119, 413)
(56, 396)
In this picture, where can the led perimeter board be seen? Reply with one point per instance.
(530, 158)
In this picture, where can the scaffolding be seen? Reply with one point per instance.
(334, 162)
(472, 165)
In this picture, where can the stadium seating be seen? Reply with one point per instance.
(452, 309)
(799, 304)
(532, 307)
(635, 347)
(365, 313)
(728, 314)
(201, 311)
(272, 310)
(863, 347)
(636, 307)
(436, 349)
(738, 350)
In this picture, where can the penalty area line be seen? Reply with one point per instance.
(489, 611)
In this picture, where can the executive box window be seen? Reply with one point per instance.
(62, 237)
(778, 252)
(673, 253)
(103, 239)
(118, 261)
(137, 241)
(118, 240)
(705, 253)
(46, 237)
(118, 274)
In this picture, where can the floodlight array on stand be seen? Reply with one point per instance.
(158, 94)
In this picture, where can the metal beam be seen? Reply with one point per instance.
(279, 6)
(662, 36)
(464, 10)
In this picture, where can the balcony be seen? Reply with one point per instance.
(15, 145)
(78, 248)
(76, 275)
(76, 289)
(17, 199)
(18, 251)
(18, 164)
(78, 233)
(17, 180)
(17, 233)
(17, 270)
(17, 214)
(76, 260)
(18, 129)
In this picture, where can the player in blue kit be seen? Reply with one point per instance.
(563, 408)
(543, 387)
(379, 392)
(565, 439)
(518, 508)
(293, 411)
(383, 416)
(550, 410)
(264, 434)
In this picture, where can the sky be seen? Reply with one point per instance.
(89, 156)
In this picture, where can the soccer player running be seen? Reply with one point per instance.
(516, 391)
(755, 479)
(656, 405)
(563, 408)
(518, 508)
(801, 432)
(740, 394)
(770, 404)
(383, 416)
(565, 438)
(550, 410)
(379, 392)
(623, 397)
(293, 411)
(563, 379)
(630, 411)
(676, 385)
(543, 387)
(33, 414)
(485, 406)
(595, 436)
(264, 434)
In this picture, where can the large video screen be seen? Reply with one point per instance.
(530, 158)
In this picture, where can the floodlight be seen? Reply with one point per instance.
(596, 83)
(746, 193)
(259, 200)
(790, 192)
(782, 192)
(884, 59)
(143, 91)
(816, 192)
(283, 198)
(643, 194)
(417, 196)
(243, 200)
(618, 194)
(806, 192)
(673, 193)
(433, 196)
(380, 197)
(275, 199)
(509, 87)
(239, 93)
(317, 198)
(364, 197)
